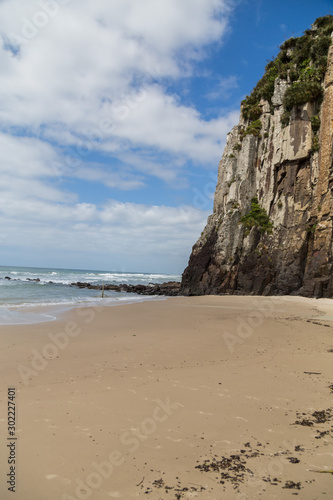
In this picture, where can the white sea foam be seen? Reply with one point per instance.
(49, 311)
(52, 290)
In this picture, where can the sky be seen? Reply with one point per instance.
(113, 119)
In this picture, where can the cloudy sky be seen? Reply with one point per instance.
(113, 118)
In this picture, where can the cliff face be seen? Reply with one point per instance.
(281, 154)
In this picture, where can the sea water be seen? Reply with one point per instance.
(26, 301)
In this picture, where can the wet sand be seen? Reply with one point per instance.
(199, 397)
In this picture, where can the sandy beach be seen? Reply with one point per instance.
(200, 397)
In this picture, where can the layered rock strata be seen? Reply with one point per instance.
(293, 182)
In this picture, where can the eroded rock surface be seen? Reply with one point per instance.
(293, 183)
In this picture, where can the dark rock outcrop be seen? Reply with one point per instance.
(280, 155)
(170, 288)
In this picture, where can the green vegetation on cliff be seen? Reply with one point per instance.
(256, 217)
(302, 62)
(253, 129)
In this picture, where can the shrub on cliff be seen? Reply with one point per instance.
(256, 217)
(253, 129)
(301, 92)
(323, 22)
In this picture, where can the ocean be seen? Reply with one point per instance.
(25, 301)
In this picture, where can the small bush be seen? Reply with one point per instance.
(285, 118)
(305, 63)
(302, 49)
(322, 65)
(302, 92)
(294, 75)
(253, 129)
(328, 30)
(310, 74)
(289, 44)
(315, 144)
(284, 56)
(250, 111)
(257, 217)
(270, 65)
(266, 85)
(320, 47)
(237, 147)
(323, 21)
(315, 123)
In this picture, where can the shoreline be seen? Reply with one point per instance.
(191, 396)
(32, 313)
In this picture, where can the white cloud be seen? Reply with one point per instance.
(83, 82)
(113, 230)
(117, 179)
(25, 157)
(167, 125)
(79, 69)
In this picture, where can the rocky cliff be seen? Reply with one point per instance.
(271, 231)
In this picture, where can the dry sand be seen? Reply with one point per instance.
(181, 398)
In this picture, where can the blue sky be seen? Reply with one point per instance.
(113, 119)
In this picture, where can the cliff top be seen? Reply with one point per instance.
(302, 62)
